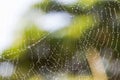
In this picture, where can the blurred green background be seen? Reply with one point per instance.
(54, 41)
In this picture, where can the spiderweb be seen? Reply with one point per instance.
(58, 58)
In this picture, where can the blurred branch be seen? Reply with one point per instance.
(96, 65)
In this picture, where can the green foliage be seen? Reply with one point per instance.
(80, 25)
(30, 35)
